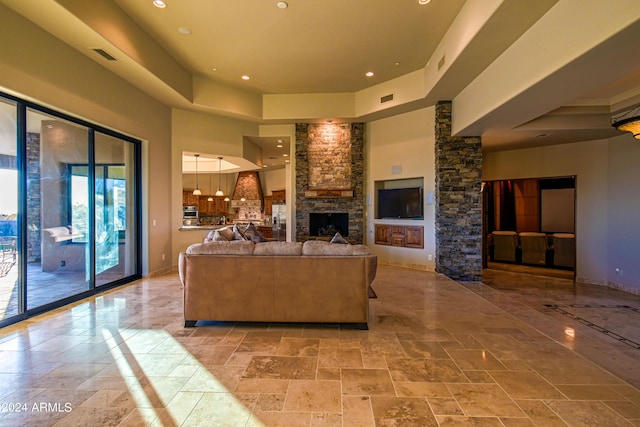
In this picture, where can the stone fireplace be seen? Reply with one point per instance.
(330, 181)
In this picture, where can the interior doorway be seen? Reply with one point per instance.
(529, 225)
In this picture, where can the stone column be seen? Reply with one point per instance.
(458, 218)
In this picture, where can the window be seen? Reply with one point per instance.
(111, 199)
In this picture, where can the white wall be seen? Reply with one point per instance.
(206, 133)
(41, 68)
(273, 180)
(408, 141)
(623, 199)
(286, 130)
(588, 161)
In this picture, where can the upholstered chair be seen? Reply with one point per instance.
(564, 250)
(505, 245)
(534, 248)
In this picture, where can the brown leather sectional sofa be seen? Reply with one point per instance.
(277, 282)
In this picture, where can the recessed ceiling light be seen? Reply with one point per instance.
(245, 77)
(279, 145)
(423, 1)
(282, 5)
(159, 4)
(184, 30)
(369, 74)
(285, 155)
(286, 161)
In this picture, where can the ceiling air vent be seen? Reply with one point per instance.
(106, 55)
(386, 98)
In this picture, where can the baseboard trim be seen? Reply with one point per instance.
(406, 265)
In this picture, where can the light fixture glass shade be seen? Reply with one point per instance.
(219, 193)
(226, 199)
(628, 122)
(210, 199)
(630, 126)
(197, 192)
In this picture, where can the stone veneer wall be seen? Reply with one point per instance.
(347, 140)
(458, 201)
(34, 208)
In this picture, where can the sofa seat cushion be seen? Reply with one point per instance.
(278, 249)
(235, 247)
(321, 248)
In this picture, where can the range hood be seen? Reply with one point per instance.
(248, 193)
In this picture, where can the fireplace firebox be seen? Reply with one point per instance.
(328, 224)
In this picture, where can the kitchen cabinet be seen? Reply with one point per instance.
(414, 236)
(188, 199)
(203, 208)
(268, 205)
(217, 206)
(405, 236)
(266, 231)
(221, 207)
(383, 234)
(279, 197)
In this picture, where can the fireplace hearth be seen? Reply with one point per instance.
(328, 224)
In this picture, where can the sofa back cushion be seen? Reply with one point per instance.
(235, 247)
(322, 248)
(278, 249)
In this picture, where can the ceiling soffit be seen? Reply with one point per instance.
(153, 56)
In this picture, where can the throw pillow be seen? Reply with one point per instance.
(220, 237)
(210, 236)
(252, 233)
(337, 238)
(226, 233)
(237, 233)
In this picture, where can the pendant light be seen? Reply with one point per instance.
(219, 192)
(197, 191)
(210, 198)
(226, 199)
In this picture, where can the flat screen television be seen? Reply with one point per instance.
(400, 203)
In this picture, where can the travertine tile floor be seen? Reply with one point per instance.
(437, 353)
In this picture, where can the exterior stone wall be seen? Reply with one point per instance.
(321, 151)
(34, 205)
(458, 201)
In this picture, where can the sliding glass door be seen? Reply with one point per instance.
(69, 209)
(114, 209)
(57, 261)
(9, 290)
